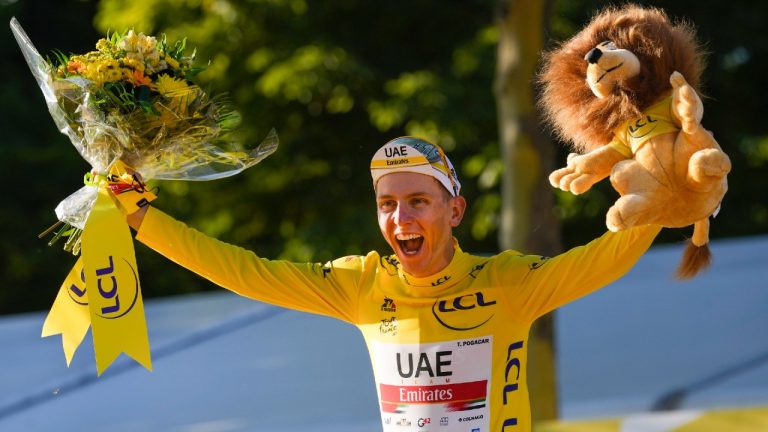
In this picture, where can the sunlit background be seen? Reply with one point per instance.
(336, 79)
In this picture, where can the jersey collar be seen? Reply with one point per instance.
(459, 268)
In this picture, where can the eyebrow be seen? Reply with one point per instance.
(410, 195)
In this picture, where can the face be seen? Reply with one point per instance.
(608, 66)
(416, 217)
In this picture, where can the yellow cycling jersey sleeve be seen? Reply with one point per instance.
(328, 289)
(552, 282)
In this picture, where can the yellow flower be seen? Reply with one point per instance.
(106, 48)
(178, 93)
(98, 71)
(134, 64)
(102, 44)
(109, 70)
(169, 86)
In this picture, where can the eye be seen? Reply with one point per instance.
(386, 205)
(418, 202)
(607, 45)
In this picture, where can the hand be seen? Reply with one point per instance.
(136, 218)
(128, 188)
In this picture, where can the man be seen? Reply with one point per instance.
(447, 332)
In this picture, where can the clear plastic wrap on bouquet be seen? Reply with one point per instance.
(137, 106)
(132, 113)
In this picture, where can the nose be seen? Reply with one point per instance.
(402, 214)
(593, 56)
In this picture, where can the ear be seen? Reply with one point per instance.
(458, 206)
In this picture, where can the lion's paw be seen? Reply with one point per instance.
(686, 104)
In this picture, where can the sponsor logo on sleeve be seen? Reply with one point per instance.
(538, 263)
(476, 269)
(323, 269)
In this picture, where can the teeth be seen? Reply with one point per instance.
(407, 236)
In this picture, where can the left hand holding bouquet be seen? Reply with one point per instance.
(128, 108)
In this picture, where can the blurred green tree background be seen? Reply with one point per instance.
(336, 80)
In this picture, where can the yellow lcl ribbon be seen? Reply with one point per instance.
(104, 280)
(70, 315)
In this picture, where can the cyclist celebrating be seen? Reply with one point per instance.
(447, 331)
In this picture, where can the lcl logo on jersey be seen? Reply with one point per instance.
(390, 263)
(466, 312)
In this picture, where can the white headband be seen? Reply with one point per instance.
(411, 154)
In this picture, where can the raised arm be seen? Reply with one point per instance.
(327, 289)
(546, 284)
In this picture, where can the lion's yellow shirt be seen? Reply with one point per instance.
(656, 120)
(449, 352)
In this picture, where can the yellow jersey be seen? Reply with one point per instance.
(656, 120)
(449, 352)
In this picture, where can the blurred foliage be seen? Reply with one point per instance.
(337, 80)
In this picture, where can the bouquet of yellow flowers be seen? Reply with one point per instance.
(128, 107)
(132, 101)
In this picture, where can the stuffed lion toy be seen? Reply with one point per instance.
(624, 93)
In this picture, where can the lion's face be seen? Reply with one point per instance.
(608, 66)
(590, 87)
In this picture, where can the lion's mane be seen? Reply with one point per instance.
(662, 47)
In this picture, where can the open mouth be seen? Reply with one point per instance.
(410, 244)
(607, 71)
